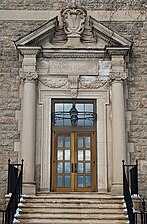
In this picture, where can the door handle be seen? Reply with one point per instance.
(72, 168)
(75, 167)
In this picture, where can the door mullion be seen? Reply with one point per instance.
(72, 160)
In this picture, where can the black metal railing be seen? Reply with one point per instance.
(130, 181)
(14, 190)
(2, 216)
(141, 216)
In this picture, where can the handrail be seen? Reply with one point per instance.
(127, 197)
(3, 211)
(15, 188)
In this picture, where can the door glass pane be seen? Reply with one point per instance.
(80, 142)
(67, 181)
(88, 181)
(60, 141)
(60, 155)
(80, 181)
(87, 155)
(67, 142)
(59, 181)
(67, 167)
(80, 155)
(60, 167)
(67, 154)
(87, 168)
(87, 141)
(80, 167)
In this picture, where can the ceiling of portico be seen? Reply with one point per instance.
(73, 29)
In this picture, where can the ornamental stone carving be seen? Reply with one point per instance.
(73, 85)
(29, 76)
(92, 82)
(54, 82)
(118, 76)
(73, 19)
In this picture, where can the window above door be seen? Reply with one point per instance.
(74, 113)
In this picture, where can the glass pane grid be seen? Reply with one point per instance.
(86, 114)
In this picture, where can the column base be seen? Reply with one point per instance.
(29, 188)
(117, 189)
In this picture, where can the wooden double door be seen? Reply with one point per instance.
(74, 162)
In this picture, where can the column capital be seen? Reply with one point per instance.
(118, 76)
(29, 76)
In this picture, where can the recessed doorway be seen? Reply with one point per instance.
(74, 146)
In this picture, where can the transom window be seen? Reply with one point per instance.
(74, 113)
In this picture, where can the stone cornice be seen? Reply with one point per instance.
(32, 51)
(118, 51)
(80, 53)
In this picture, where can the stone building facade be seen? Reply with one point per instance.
(102, 60)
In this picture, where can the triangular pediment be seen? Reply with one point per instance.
(73, 29)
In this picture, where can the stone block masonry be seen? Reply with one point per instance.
(58, 4)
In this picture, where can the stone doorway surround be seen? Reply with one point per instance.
(73, 56)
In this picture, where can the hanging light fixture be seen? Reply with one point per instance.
(73, 116)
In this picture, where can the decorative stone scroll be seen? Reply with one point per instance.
(118, 76)
(73, 19)
(29, 76)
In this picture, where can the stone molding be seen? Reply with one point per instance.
(74, 54)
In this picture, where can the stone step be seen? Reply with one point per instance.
(73, 215)
(94, 221)
(85, 207)
(72, 208)
(74, 200)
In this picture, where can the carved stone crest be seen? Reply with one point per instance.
(73, 19)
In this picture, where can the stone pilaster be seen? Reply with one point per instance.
(29, 76)
(117, 75)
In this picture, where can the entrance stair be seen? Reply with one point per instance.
(72, 208)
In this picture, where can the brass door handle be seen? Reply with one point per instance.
(72, 167)
(75, 167)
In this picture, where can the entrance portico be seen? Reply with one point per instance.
(73, 58)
